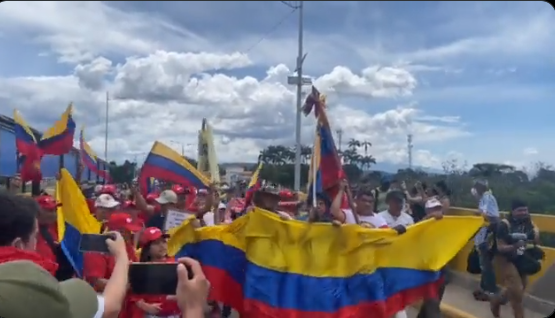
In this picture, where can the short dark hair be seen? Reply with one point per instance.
(365, 191)
(18, 215)
(518, 203)
(395, 195)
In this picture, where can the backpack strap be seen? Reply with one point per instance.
(43, 230)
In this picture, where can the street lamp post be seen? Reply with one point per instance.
(106, 126)
(299, 81)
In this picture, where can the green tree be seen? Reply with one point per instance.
(123, 173)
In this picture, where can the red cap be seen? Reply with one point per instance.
(128, 204)
(178, 189)
(285, 194)
(46, 202)
(151, 234)
(122, 221)
(288, 203)
(108, 189)
(151, 197)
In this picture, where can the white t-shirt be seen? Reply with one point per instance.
(376, 220)
(208, 218)
(403, 219)
(100, 310)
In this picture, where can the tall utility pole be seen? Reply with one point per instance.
(298, 81)
(299, 102)
(409, 149)
(106, 127)
(339, 137)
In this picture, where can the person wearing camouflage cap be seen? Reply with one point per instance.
(29, 291)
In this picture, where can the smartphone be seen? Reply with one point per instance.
(94, 243)
(154, 278)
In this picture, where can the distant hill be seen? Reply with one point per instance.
(380, 166)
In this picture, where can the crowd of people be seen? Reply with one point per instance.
(34, 270)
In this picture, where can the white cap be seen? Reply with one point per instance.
(221, 206)
(432, 203)
(224, 187)
(167, 196)
(105, 201)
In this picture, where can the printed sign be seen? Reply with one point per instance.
(175, 218)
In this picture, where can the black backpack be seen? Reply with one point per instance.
(65, 270)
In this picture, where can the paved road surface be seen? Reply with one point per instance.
(462, 299)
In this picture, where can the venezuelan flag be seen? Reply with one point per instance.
(254, 185)
(25, 140)
(164, 163)
(58, 139)
(74, 219)
(265, 267)
(88, 157)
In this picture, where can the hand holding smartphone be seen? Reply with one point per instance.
(95, 243)
(154, 278)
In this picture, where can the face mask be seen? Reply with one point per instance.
(474, 192)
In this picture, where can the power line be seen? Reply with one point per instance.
(274, 28)
(292, 6)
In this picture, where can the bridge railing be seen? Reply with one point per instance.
(545, 223)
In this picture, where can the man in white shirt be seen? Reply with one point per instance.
(395, 215)
(364, 205)
(396, 218)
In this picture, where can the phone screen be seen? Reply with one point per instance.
(153, 278)
(94, 243)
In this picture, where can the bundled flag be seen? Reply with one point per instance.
(326, 170)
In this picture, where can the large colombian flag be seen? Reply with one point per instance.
(74, 219)
(163, 163)
(58, 139)
(265, 267)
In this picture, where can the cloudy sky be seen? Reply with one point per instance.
(470, 80)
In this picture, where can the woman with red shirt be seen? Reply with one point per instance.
(98, 267)
(154, 249)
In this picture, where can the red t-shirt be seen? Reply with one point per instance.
(90, 204)
(42, 246)
(97, 265)
(168, 307)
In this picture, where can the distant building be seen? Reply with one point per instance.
(236, 174)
